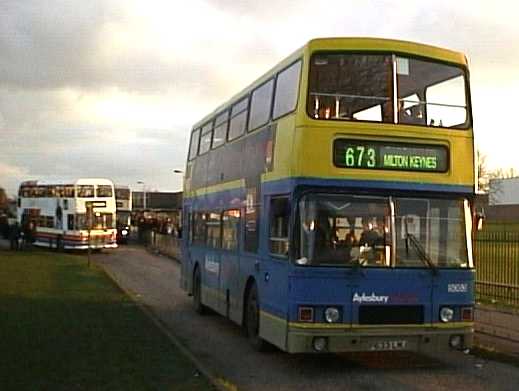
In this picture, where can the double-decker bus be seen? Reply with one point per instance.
(123, 200)
(58, 212)
(328, 206)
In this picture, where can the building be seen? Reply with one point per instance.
(501, 204)
(163, 210)
(157, 200)
(3, 199)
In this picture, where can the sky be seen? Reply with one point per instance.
(111, 88)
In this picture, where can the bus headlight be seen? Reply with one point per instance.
(446, 314)
(331, 315)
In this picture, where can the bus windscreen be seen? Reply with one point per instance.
(361, 87)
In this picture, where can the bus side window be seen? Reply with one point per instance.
(199, 228)
(213, 230)
(70, 222)
(279, 221)
(238, 119)
(287, 89)
(230, 229)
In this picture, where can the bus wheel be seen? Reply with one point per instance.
(252, 320)
(197, 292)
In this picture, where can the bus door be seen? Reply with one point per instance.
(212, 262)
(229, 263)
(185, 264)
(273, 277)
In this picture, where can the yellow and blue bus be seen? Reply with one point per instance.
(328, 206)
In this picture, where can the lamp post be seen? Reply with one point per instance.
(143, 194)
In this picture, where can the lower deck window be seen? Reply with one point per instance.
(279, 221)
(230, 229)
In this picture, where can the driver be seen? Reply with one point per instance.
(369, 236)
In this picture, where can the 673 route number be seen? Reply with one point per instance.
(360, 156)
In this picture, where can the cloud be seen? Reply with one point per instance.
(113, 86)
(9, 177)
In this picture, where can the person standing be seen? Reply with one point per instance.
(14, 237)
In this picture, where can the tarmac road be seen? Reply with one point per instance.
(221, 346)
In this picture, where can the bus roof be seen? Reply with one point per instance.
(387, 45)
(60, 182)
(345, 43)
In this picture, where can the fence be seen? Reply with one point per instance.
(165, 244)
(496, 251)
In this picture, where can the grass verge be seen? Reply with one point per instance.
(64, 326)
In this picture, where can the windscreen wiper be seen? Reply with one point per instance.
(421, 252)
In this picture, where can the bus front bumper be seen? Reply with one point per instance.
(426, 339)
(93, 246)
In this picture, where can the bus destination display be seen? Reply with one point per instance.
(379, 155)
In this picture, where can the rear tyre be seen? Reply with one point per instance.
(197, 293)
(252, 320)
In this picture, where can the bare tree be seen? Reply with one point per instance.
(485, 175)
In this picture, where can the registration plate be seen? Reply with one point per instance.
(389, 345)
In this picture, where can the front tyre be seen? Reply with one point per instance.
(252, 320)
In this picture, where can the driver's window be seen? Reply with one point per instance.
(279, 222)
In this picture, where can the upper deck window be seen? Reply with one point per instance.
(361, 87)
(205, 140)
(351, 87)
(260, 105)
(238, 119)
(430, 93)
(193, 148)
(104, 191)
(68, 191)
(122, 194)
(287, 88)
(220, 129)
(85, 191)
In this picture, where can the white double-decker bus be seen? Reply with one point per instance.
(57, 211)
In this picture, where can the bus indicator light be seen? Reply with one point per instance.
(306, 314)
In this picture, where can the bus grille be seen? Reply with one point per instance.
(391, 314)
